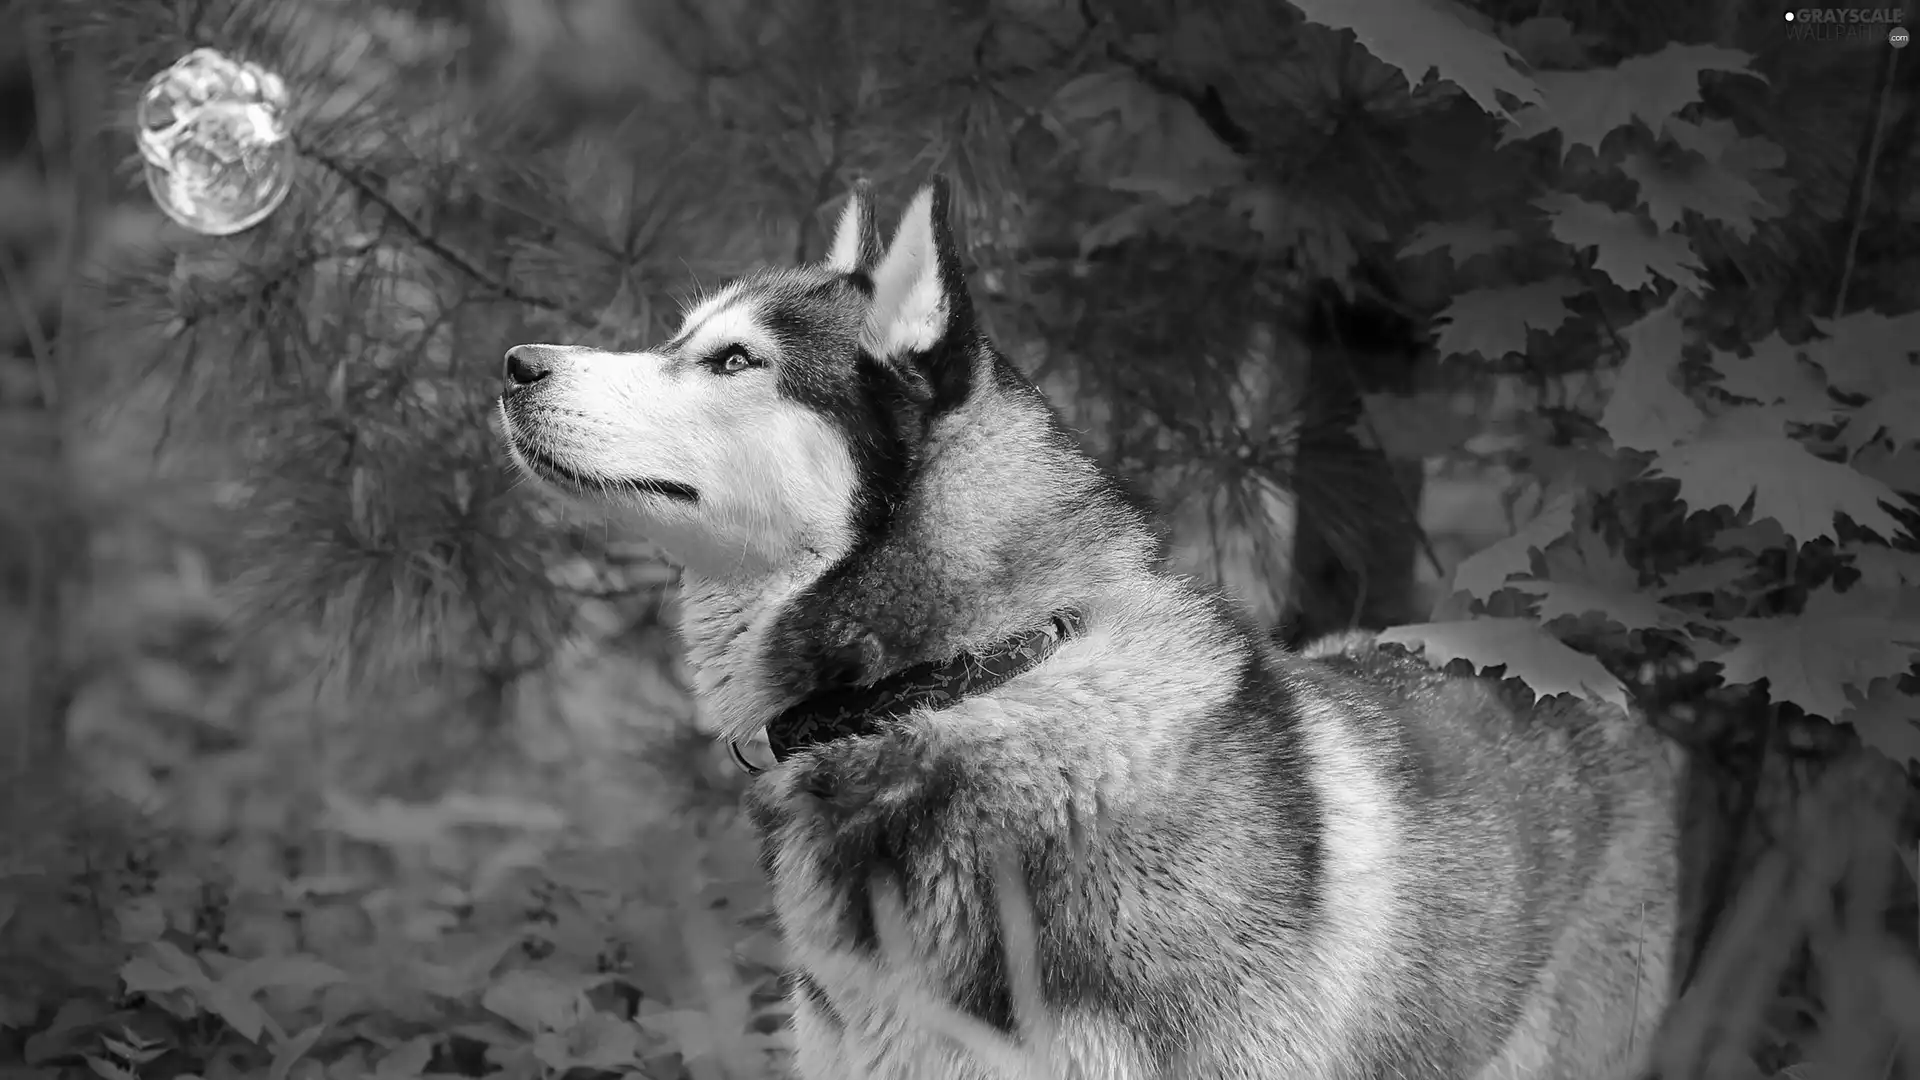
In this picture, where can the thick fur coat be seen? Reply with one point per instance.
(1172, 850)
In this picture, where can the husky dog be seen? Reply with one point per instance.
(956, 632)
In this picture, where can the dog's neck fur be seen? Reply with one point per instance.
(983, 546)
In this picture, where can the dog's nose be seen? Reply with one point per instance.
(528, 364)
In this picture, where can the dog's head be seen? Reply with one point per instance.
(785, 414)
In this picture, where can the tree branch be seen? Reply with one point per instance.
(433, 244)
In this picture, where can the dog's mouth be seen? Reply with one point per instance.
(550, 469)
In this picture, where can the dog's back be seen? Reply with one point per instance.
(1338, 864)
(1541, 854)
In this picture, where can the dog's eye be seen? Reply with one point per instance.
(732, 359)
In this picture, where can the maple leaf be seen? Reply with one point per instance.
(1741, 419)
(1841, 640)
(1463, 241)
(1481, 574)
(1587, 106)
(1523, 646)
(1494, 322)
(1719, 140)
(1901, 605)
(1867, 352)
(1886, 719)
(1898, 469)
(1672, 189)
(1646, 410)
(1578, 468)
(1586, 577)
(1424, 36)
(1774, 374)
(1883, 568)
(1586, 556)
(1705, 577)
(1548, 41)
(1574, 599)
(1752, 538)
(1626, 248)
(1786, 483)
(1894, 413)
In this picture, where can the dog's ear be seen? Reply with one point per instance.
(922, 315)
(856, 241)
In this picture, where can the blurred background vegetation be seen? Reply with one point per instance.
(327, 747)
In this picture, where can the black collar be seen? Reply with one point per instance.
(939, 684)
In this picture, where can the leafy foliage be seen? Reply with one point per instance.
(1771, 439)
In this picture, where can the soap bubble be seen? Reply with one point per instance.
(213, 133)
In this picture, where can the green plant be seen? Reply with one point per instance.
(1645, 260)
